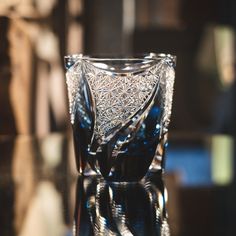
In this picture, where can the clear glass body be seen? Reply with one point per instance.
(120, 110)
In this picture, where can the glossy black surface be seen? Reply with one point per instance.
(41, 193)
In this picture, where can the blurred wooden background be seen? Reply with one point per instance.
(35, 35)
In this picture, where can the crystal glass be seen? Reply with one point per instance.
(120, 110)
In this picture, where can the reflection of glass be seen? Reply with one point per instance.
(105, 208)
(120, 110)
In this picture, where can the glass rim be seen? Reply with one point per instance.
(110, 57)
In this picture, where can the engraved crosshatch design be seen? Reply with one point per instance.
(120, 108)
(73, 79)
(118, 97)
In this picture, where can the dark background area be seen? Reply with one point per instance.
(203, 98)
(35, 36)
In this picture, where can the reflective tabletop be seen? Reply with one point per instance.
(41, 193)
